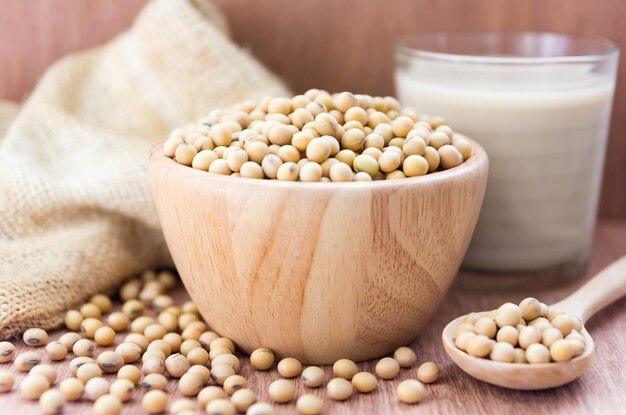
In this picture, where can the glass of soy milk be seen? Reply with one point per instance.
(540, 104)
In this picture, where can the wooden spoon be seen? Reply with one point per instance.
(603, 289)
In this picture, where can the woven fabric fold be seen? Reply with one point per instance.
(76, 214)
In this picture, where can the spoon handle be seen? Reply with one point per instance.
(600, 291)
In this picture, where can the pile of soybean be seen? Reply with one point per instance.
(317, 137)
(168, 345)
(530, 332)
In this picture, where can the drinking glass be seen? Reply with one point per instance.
(540, 104)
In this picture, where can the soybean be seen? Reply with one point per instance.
(72, 389)
(387, 368)
(309, 405)
(6, 381)
(289, 367)
(260, 408)
(154, 401)
(154, 381)
(48, 371)
(233, 383)
(26, 361)
(190, 384)
(410, 391)
(312, 376)
(110, 362)
(339, 389)
(242, 399)
(220, 407)
(345, 368)
(35, 337)
(56, 350)
(364, 382)
(7, 351)
(33, 386)
(51, 401)
(108, 405)
(282, 391)
(428, 372)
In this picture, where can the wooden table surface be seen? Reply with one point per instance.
(600, 390)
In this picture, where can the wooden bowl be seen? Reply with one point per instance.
(318, 271)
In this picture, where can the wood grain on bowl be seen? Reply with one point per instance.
(318, 271)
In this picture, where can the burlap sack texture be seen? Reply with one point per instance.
(76, 215)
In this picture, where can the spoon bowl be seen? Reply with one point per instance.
(603, 289)
(524, 376)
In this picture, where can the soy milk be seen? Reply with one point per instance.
(545, 134)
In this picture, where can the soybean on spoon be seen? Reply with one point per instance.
(603, 289)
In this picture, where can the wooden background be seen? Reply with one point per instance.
(319, 43)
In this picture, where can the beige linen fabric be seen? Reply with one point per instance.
(76, 215)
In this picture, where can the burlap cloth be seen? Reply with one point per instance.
(76, 214)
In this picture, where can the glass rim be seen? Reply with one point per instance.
(402, 46)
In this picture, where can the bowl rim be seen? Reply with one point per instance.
(478, 159)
